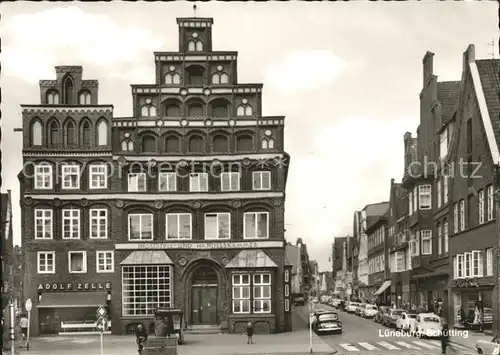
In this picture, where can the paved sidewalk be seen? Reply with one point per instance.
(469, 338)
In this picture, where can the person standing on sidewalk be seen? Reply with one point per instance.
(141, 336)
(250, 332)
(445, 335)
(23, 324)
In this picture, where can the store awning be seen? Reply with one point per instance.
(382, 288)
(72, 299)
(145, 257)
(251, 259)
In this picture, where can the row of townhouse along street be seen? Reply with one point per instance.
(433, 242)
(180, 205)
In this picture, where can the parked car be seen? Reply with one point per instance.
(335, 302)
(488, 347)
(369, 311)
(327, 322)
(391, 317)
(314, 313)
(428, 325)
(352, 306)
(360, 309)
(380, 314)
(406, 322)
(299, 301)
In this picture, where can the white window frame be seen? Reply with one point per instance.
(455, 218)
(462, 215)
(480, 201)
(41, 220)
(256, 225)
(443, 144)
(140, 232)
(232, 176)
(218, 215)
(455, 267)
(66, 171)
(460, 266)
(131, 187)
(425, 191)
(178, 215)
(439, 227)
(415, 199)
(400, 255)
(38, 259)
(73, 220)
(490, 203)
(100, 220)
(42, 177)
(262, 285)
(468, 262)
(410, 203)
(171, 181)
(446, 191)
(101, 176)
(197, 178)
(102, 268)
(415, 245)
(439, 193)
(241, 300)
(426, 236)
(489, 262)
(84, 263)
(477, 256)
(446, 236)
(259, 176)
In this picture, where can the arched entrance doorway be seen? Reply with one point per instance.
(204, 286)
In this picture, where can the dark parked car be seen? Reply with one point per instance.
(327, 322)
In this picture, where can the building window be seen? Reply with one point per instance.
(70, 176)
(195, 110)
(198, 182)
(445, 190)
(415, 199)
(172, 144)
(71, 223)
(85, 98)
(127, 145)
(489, 262)
(137, 182)
(148, 110)
(262, 293)
(85, 133)
(490, 203)
(195, 46)
(219, 108)
(43, 224)
(43, 176)
(460, 266)
(46, 262)
(481, 206)
(77, 262)
(443, 144)
(439, 239)
(438, 193)
(477, 263)
(425, 197)
(267, 143)
(36, 133)
(244, 110)
(455, 218)
(256, 225)
(68, 90)
(244, 143)
(415, 245)
(140, 226)
(167, 182)
(148, 144)
(196, 144)
(172, 78)
(102, 133)
(217, 226)
(241, 293)
(98, 176)
(105, 261)
(98, 223)
(462, 215)
(261, 180)
(287, 276)
(145, 289)
(410, 203)
(220, 78)
(53, 98)
(220, 143)
(468, 265)
(287, 305)
(230, 181)
(179, 226)
(70, 130)
(400, 261)
(172, 110)
(54, 137)
(287, 290)
(445, 235)
(426, 242)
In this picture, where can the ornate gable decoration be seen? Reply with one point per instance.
(251, 259)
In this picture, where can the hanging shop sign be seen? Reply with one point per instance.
(75, 286)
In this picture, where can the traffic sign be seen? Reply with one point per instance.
(102, 324)
(101, 311)
(28, 305)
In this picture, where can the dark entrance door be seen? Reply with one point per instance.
(204, 296)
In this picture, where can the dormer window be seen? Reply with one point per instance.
(172, 77)
(244, 109)
(53, 97)
(85, 98)
(148, 110)
(220, 77)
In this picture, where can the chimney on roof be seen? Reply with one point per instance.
(428, 66)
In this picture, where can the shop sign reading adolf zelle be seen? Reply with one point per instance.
(75, 286)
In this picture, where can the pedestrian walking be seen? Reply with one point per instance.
(250, 332)
(445, 336)
(23, 324)
(141, 336)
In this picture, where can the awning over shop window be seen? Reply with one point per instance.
(251, 259)
(72, 299)
(145, 257)
(382, 288)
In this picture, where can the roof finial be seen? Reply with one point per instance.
(194, 10)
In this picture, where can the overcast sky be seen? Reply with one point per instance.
(346, 75)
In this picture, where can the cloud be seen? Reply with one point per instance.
(304, 71)
(34, 43)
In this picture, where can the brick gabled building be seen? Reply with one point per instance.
(180, 205)
(474, 156)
